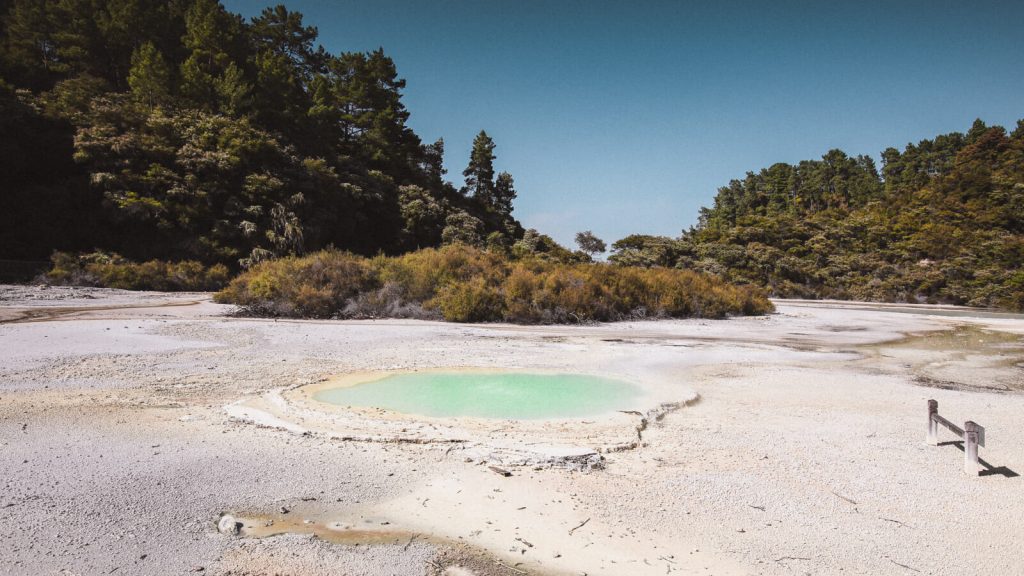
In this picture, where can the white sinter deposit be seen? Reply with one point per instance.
(797, 447)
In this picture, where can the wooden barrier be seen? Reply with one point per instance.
(972, 433)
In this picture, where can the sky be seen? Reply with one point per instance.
(625, 117)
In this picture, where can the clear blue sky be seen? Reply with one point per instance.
(625, 117)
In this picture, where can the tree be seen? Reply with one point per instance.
(211, 36)
(149, 77)
(423, 215)
(272, 145)
(463, 228)
(479, 173)
(285, 64)
(30, 51)
(504, 194)
(590, 244)
(281, 31)
(645, 251)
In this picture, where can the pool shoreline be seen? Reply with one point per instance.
(489, 393)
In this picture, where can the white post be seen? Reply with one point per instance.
(933, 427)
(971, 464)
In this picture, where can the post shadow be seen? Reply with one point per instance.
(989, 470)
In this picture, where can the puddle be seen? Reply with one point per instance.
(964, 358)
(964, 340)
(500, 395)
(449, 557)
(357, 533)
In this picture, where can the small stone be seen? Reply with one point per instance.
(284, 510)
(229, 525)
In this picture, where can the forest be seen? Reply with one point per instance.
(180, 131)
(175, 145)
(940, 222)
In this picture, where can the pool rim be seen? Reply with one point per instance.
(306, 393)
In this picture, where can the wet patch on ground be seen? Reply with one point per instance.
(451, 558)
(966, 357)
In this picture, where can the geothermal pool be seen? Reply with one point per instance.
(499, 395)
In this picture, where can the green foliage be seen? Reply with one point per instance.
(945, 225)
(462, 228)
(464, 284)
(480, 171)
(113, 271)
(149, 77)
(590, 244)
(315, 286)
(178, 130)
(533, 244)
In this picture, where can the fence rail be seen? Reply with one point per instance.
(972, 433)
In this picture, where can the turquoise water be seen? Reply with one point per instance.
(502, 395)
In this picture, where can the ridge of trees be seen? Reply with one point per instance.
(941, 222)
(179, 130)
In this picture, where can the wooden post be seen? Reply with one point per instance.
(971, 464)
(932, 437)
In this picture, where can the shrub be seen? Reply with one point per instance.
(470, 301)
(113, 271)
(467, 284)
(315, 286)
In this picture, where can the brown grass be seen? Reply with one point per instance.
(465, 284)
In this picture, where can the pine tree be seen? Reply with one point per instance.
(149, 77)
(480, 171)
(210, 33)
(504, 194)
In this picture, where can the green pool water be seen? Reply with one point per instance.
(502, 395)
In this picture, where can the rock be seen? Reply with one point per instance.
(284, 510)
(229, 525)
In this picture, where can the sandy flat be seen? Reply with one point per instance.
(130, 423)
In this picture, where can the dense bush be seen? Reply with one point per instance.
(182, 131)
(943, 222)
(113, 271)
(465, 284)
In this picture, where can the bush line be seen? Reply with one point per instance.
(465, 284)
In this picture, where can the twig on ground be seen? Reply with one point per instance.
(841, 497)
(895, 522)
(903, 565)
(581, 525)
(516, 570)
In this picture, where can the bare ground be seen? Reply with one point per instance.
(804, 454)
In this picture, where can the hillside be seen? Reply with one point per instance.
(179, 130)
(941, 222)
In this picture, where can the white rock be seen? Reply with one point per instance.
(229, 525)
